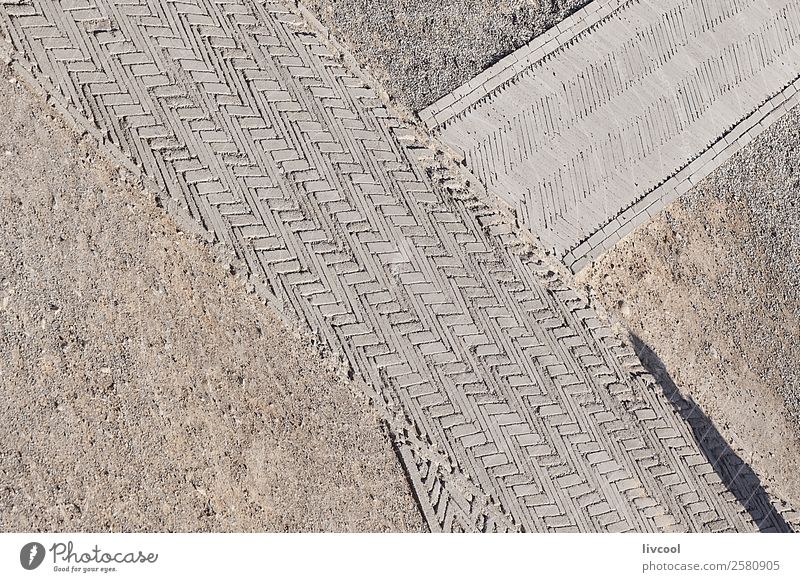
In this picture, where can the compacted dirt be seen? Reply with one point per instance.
(141, 386)
(712, 287)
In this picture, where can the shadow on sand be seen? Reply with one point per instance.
(737, 475)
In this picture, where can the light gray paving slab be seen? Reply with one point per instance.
(512, 405)
(626, 101)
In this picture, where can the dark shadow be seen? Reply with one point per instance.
(737, 475)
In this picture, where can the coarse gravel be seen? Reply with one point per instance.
(420, 50)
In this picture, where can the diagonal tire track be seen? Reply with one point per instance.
(593, 127)
(509, 412)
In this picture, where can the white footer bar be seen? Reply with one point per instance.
(397, 557)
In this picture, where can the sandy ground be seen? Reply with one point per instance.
(142, 387)
(712, 286)
(420, 50)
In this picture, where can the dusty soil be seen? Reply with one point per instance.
(712, 286)
(142, 387)
(420, 50)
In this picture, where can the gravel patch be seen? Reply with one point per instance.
(420, 50)
(712, 286)
(142, 387)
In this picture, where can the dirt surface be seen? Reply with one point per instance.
(142, 387)
(712, 286)
(420, 50)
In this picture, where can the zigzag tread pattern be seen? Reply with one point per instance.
(595, 135)
(513, 406)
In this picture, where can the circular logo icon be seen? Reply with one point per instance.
(31, 555)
